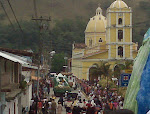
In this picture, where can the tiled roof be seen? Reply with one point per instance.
(80, 46)
(94, 53)
(18, 52)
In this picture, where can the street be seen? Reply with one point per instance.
(57, 98)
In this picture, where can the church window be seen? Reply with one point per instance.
(90, 42)
(120, 21)
(120, 51)
(100, 40)
(120, 35)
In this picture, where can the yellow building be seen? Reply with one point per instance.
(106, 39)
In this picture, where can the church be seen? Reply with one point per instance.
(106, 39)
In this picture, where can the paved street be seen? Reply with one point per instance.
(57, 98)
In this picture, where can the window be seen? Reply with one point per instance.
(100, 40)
(120, 35)
(120, 21)
(120, 51)
(90, 42)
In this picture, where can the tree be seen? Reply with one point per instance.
(58, 62)
(95, 71)
(105, 67)
(106, 71)
(119, 67)
(128, 64)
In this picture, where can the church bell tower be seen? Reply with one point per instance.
(119, 31)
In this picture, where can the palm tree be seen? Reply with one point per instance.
(128, 64)
(105, 68)
(96, 71)
(120, 67)
(106, 71)
(117, 70)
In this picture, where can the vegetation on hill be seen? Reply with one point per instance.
(69, 20)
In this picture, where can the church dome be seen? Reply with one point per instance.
(118, 4)
(97, 23)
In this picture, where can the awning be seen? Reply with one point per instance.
(35, 78)
(30, 66)
(12, 57)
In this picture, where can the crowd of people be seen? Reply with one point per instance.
(100, 100)
(106, 99)
(44, 103)
(90, 99)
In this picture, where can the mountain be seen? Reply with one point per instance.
(69, 9)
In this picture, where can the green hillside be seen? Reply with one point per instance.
(60, 9)
(66, 13)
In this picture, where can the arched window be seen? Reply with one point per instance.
(120, 21)
(120, 35)
(120, 51)
(90, 42)
(100, 40)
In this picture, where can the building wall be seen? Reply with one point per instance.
(9, 71)
(77, 67)
(2, 102)
(86, 67)
(95, 38)
(26, 97)
(27, 75)
(10, 109)
(6, 71)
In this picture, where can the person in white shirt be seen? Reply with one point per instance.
(79, 94)
(80, 104)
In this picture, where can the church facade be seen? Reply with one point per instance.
(106, 39)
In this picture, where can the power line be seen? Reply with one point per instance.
(7, 15)
(15, 16)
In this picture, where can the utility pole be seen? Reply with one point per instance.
(0, 89)
(41, 27)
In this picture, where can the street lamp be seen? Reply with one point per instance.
(66, 66)
(52, 53)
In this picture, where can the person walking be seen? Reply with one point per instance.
(68, 105)
(59, 108)
(53, 107)
(61, 100)
(80, 105)
(79, 94)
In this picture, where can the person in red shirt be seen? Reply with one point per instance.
(89, 104)
(40, 105)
